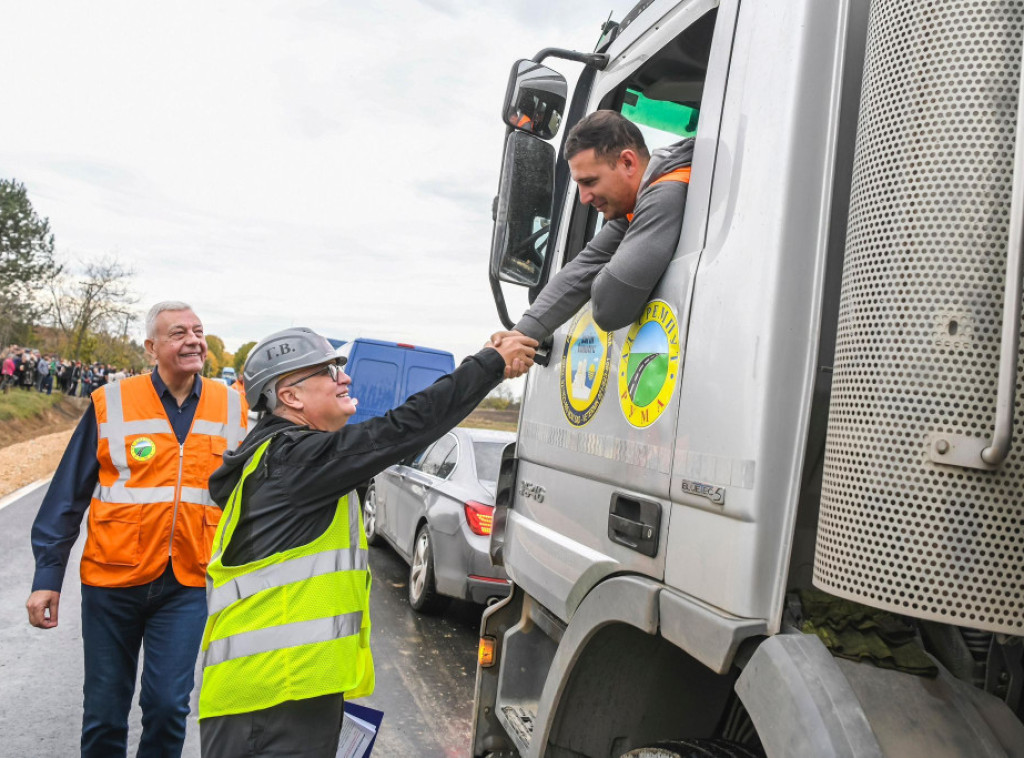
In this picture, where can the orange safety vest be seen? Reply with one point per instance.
(237, 387)
(678, 175)
(152, 500)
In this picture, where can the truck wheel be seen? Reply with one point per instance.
(695, 748)
(370, 515)
(423, 595)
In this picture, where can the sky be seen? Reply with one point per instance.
(274, 164)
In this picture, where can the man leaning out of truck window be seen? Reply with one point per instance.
(641, 196)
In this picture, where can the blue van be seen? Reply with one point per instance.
(385, 374)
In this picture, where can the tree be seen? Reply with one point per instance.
(215, 345)
(501, 398)
(241, 355)
(99, 301)
(26, 259)
(212, 365)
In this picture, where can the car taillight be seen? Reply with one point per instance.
(479, 517)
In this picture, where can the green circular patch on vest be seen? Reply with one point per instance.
(142, 449)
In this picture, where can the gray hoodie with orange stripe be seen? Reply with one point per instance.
(620, 266)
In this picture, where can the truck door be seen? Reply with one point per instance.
(598, 427)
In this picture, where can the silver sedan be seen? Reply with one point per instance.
(436, 509)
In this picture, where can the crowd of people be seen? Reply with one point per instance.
(28, 369)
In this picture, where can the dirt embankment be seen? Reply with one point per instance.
(30, 449)
(62, 416)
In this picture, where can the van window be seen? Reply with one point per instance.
(377, 382)
(421, 377)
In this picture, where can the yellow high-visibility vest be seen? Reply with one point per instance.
(291, 626)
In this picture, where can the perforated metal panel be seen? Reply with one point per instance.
(919, 327)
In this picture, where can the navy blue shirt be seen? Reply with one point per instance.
(60, 516)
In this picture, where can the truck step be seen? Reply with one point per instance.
(519, 723)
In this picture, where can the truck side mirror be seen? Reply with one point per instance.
(519, 244)
(535, 99)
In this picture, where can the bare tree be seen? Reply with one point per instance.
(99, 301)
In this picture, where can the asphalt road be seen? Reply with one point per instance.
(425, 666)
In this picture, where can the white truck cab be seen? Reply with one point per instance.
(821, 402)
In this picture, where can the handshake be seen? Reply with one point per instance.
(517, 349)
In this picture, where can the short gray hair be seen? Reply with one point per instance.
(156, 310)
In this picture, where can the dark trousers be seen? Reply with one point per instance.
(294, 729)
(168, 619)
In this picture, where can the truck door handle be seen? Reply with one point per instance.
(635, 523)
(635, 530)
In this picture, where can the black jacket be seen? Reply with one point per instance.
(292, 497)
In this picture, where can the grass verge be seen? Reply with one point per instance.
(19, 404)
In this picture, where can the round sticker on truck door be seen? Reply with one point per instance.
(649, 366)
(585, 369)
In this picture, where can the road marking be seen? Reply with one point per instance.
(28, 488)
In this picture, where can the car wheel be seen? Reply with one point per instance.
(695, 748)
(370, 515)
(423, 595)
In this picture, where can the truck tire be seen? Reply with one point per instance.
(695, 748)
(370, 515)
(423, 595)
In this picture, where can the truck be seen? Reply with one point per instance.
(782, 513)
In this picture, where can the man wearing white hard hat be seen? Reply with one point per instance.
(288, 635)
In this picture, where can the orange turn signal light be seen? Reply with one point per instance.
(485, 653)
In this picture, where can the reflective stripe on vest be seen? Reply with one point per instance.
(278, 574)
(291, 626)
(274, 638)
(151, 500)
(677, 175)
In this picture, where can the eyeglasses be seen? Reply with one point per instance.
(334, 369)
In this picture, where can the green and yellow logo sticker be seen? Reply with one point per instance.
(142, 449)
(585, 368)
(649, 365)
